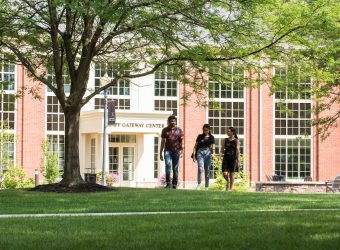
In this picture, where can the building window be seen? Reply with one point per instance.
(123, 104)
(7, 114)
(57, 146)
(227, 105)
(55, 115)
(226, 82)
(291, 84)
(166, 90)
(114, 138)
(120, 93)
(293, 129)
(293, 119)
(6, 149)
(66, 82)
(293, 158)
(156, 157)
(7, 75)
(166, 105)
(7, 95)
(128, 163)
(114, 160)
(55, 124)
(7, 110)
(227, 114)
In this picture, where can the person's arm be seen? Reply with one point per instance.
(213, 147)
(161, 149)
(182, 140)
(213, 150)
(238, 147)
(194, 152)
(221, 151)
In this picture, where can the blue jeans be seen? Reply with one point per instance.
(204, 157)
(171, 159)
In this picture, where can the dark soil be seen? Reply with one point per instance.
(78, 188)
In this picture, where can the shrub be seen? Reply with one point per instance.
(14, 177)
(114, 177)
(29, 183)
(49, 163)
(241, 182)
(111, 178)
(241, 178)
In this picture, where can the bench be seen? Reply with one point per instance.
(333, 185)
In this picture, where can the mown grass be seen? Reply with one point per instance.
(125, 199)
(247, 229)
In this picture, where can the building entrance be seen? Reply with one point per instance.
(122, 161)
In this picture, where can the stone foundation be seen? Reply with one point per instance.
(291, 187)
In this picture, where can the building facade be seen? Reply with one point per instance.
(272, 142)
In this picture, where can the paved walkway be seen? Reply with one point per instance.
(4, 216)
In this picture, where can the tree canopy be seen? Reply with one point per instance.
(313, 55)
(138, 36)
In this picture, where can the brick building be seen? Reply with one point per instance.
(272, 142)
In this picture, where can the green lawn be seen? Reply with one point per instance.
(243, 227)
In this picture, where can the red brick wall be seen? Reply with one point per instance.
(327, 162)
(192, 119)
(252, 134)
(30, 125)
(267, 132)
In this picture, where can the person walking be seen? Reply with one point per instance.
(231, 157)
(203, 152)
(172, 144)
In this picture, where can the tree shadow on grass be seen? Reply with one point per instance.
(78, 188)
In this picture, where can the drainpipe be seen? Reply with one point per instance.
(250, 135)
(317, 147)
(184, 123)
(22, 116)
(260, 128)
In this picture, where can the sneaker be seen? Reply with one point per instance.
(198, 187)
(167, 186)
(174, 186)
(206, 189)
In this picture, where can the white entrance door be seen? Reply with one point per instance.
(122, 161)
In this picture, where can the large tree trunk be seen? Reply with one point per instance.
(71, 174)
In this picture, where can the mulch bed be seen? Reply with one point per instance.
(78, 188)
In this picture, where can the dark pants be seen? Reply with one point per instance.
(171, 159)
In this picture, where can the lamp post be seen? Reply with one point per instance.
(103, 81)
(36, 177)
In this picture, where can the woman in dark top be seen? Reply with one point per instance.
(231, 157)
(203, 152)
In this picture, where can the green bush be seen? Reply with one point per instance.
(110, 178)
(241, 181)
(14, 177)
(49, 166)
(220, 182)
(29, 183)
(241, 178)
